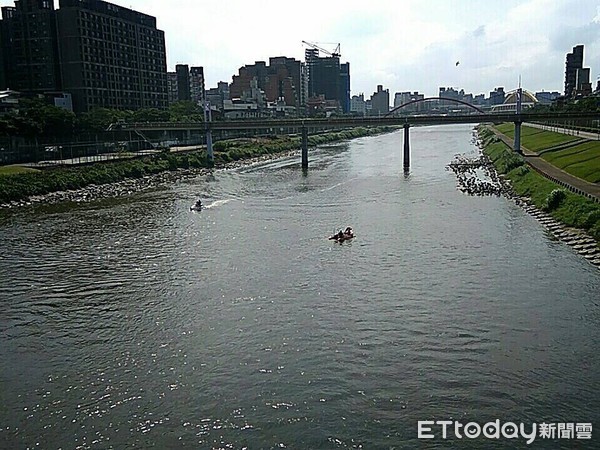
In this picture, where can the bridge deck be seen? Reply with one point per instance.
(345, 122)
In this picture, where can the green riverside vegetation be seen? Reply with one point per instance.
(571, 209)
(581, 158)
(16, 169)
(16, 186)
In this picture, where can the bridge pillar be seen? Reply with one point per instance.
(304, 148)
(209, 146)
(406, 147)
(207, 122)
(517, 142)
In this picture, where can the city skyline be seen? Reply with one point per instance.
(420, 46)
(464, 44)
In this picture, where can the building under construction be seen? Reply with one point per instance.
(328, 81)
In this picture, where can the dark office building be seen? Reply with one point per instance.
(328, 78)
(183, 82)
(186, 84)
(344, 95)
(29, 52)
(380, 101)
(574, 62)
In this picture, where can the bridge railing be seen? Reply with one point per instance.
(337, 122)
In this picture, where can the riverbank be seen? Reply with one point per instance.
(118, 178)
(572, 218)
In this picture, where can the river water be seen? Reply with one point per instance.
(135, 323)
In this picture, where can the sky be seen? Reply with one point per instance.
(404, 45)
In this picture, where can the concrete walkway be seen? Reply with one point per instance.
(568, 131)
(553, 173)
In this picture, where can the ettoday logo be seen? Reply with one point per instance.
(430, 429)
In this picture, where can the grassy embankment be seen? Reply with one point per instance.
(15, 169)
(581, 159)
(571, 209)
(18, 183)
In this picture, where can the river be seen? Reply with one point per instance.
(135, 323)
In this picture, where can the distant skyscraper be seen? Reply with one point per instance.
(497, 96)
(358, 105)
(186, 84)
(183, 82)
(197, 85)
(583, 87)
(344, 94)
(574, 61)
(327, 77)
(172, 88)
(281, 79)
(380, 101)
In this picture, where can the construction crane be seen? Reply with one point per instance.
(335, 53)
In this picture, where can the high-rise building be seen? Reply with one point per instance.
(410, 100)
(172, 88)
(583, 87)
(183, 82)
(197, 85)
(380, 101)
(280, 80)
(401, 98)
(344, 95)
(186, 84)
(574, 61)
(358, 105)
(111, 56)
(497, 96)
(328, 78)
(103, 55)
(29, 47)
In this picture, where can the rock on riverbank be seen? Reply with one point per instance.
(478, 176)
(132, 185)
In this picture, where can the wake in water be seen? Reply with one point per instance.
(216, 203)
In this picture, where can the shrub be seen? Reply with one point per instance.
(521, 170)
(554, 199)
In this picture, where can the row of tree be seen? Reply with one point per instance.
(588, 104)
(36, 118)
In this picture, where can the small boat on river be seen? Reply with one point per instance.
(343, 235)
(196, 206)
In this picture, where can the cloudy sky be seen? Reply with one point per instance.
(404, 45)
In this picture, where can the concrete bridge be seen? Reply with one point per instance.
(306, 125)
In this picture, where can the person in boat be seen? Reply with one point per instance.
(197, 206)
(340, 235)
(348, 232)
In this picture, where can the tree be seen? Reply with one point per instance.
(150, 115)
(185, 111)
(99, 119)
